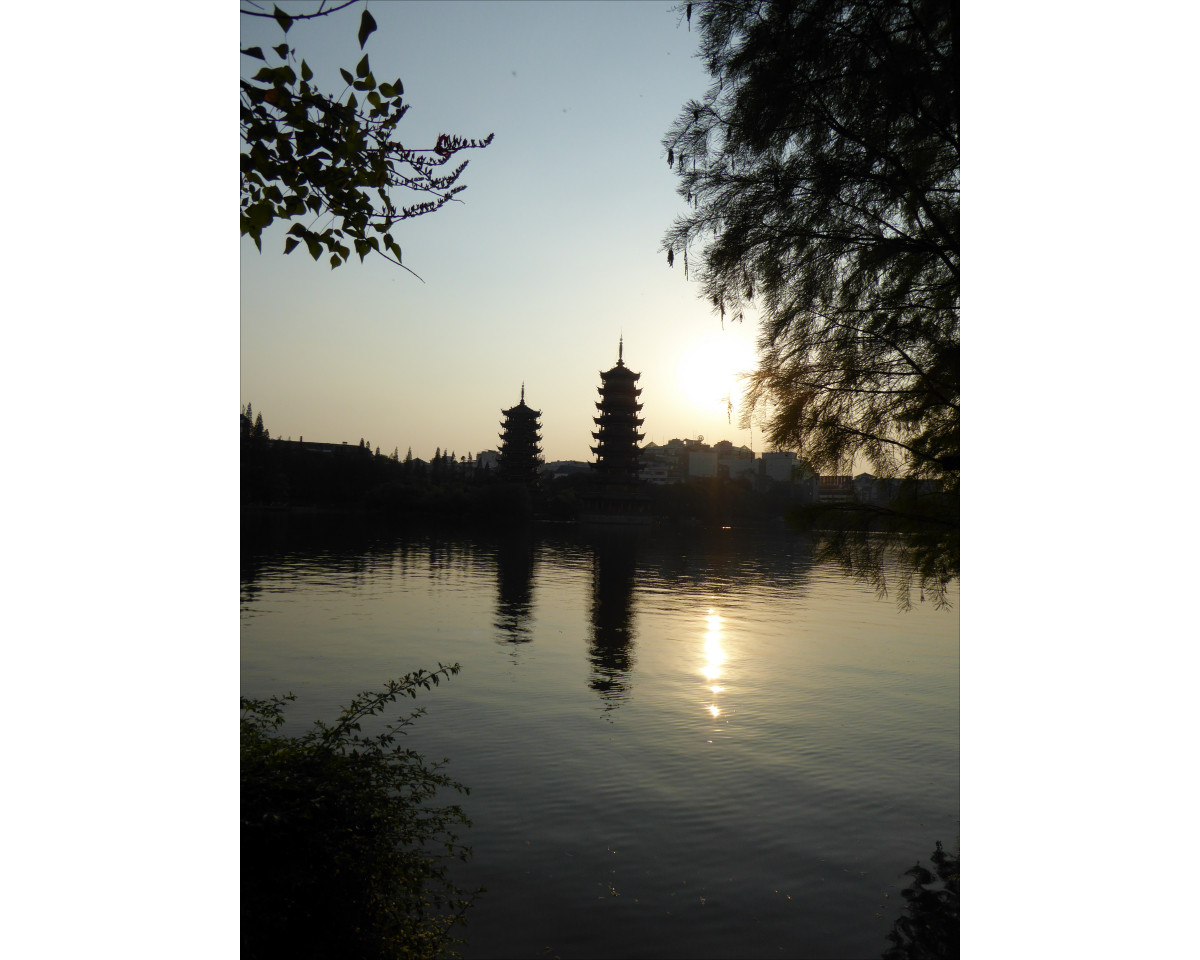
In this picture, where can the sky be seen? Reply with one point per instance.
(553, 257)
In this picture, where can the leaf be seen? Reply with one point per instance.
(281, 50)
(305, 72)
(365, 28)
(346, 75)
(282, 19)
(290, 244)
(363, 68)
(253, 52)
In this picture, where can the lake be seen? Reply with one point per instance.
(678, 743)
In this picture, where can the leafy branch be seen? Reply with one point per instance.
(343, 849)
(307, 156)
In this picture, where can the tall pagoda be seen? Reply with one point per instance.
(617, 436)
(520, 452)
(616, 493)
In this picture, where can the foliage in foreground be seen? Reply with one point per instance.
(929, 929)
(307, 155)
(344, 852)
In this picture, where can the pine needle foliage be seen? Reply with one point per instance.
(821, 171)
(345, 850)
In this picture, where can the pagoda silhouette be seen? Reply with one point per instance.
(616, 493)
(520, 453)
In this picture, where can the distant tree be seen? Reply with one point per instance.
(408, 456)
(822, 173)
(307, 156)
(259, 432)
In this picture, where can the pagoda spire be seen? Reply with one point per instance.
(621, 351)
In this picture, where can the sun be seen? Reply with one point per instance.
(709, 368)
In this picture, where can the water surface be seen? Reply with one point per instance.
(678, 744)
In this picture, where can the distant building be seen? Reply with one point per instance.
(702, 463)
(779, 466)
(835, 488)
(520, 443)
(565, 468)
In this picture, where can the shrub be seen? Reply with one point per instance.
(344, 850)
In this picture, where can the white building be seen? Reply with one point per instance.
(779, 466)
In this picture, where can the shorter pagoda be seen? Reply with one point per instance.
(520, 450)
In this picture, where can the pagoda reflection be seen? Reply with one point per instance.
(515, 562)
(610, 648)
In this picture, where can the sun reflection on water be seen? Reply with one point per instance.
(714, 657)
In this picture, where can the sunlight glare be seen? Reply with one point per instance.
(709, 369)
(714, 655)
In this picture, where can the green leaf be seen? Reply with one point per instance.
(281, 50)
(373, 98)
(290, 244)
(313, 247)
(399, 87)
(253, 52)
(363, 67)
(334, 262)
(365, 28)
(346, 75)
(282, 19)
(387, 90)
(305, 72)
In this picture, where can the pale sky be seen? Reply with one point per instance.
(553, 256)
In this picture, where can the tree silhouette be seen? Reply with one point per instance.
(822, 172)
(307, 156)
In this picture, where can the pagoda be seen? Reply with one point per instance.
(617, 494)
(520, 453)
(617, 436)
